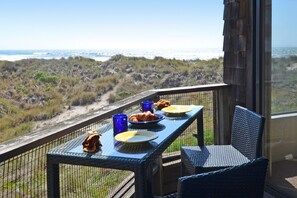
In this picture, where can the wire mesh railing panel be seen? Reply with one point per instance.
(25, 175)
(82, 181)
(205, 99)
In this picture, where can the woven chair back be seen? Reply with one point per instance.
(247, 131)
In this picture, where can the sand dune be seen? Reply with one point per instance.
(73, 111)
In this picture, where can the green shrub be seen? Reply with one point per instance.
(15, 131)
(7, 107)
(112, 98)
(84, 99)
(42, 76)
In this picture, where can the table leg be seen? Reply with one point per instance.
(200, 131)
(143, 182)
(53, 180)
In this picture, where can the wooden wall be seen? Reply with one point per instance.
(237, 51)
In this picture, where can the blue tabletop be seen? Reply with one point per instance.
(165, 129)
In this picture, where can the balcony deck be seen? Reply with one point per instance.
(23, 161)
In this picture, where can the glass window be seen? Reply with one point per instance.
(282, 125)
(284, 56)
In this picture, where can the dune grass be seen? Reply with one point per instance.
(38, 89)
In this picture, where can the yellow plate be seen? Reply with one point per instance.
(135, 136)
(177, 109)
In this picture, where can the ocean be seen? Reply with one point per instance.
(105, 54)
(278, 52)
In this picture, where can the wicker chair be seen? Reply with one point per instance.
(246, 136)
(245, 181)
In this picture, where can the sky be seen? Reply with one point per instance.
(110, 24)
(284, 26)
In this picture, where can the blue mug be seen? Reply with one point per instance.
(120, 123)
(147, 105)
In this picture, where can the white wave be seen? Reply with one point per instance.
(40, 53)
(15, 57)
(102, 59)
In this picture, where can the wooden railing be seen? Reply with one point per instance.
(22, 160)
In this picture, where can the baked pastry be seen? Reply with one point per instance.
(140, 117)
(92, 143)
(162, 103)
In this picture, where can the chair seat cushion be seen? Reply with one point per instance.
(198, 159)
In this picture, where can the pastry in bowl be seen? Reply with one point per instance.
(141, 117)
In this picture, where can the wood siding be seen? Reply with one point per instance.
(237, 48)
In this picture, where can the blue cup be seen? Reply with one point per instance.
(147, 105)
(120, 123)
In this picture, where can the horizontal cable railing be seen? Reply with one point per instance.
(23, 160)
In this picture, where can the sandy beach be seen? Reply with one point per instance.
(73, 111)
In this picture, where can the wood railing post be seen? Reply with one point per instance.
(222, 131)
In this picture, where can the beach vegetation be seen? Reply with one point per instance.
(83, 99)
(42, 76)
(283, 83)
(40, 89)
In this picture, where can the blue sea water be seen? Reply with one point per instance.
(105, 54)
(278, 52)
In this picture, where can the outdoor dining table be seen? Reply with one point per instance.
(138, 158)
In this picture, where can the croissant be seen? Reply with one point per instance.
(146, 116)
(92, 142)
(162, 103)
